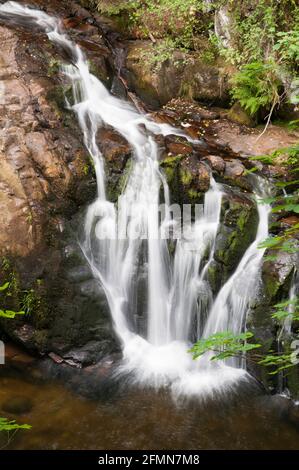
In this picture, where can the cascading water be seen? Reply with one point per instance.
(117, 237)
(231, 305)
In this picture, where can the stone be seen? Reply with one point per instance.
(46, 175)
(237, 231)
(234, 169)
(204, 177)
(216, 163)
(240, 116)
(183, 75)
(179, 148)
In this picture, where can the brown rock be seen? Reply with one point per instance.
(234, 169)
(216, 163)
(179, 148)
(204, 177)
(115, 148)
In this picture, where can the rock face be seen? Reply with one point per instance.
(182, 75)
(277, 275)
(46, 176)
(236, 233)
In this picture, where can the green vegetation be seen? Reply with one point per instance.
(8, 426)
(257, 86)
(224, 345)
(5, 424)
(287, 204)
(262, 43)
(8, 313)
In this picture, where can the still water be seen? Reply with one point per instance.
(130, 418)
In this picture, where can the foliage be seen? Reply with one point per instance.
(162, 18)
(224, 345)
(6, 425)
(8, 313)
(264, 35)
(287, 309)
(288, 47)
(257, 86)
(284, 204)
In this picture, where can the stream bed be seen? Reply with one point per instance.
(128, 418)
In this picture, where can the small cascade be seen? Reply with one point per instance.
(285, 330)
(233, 301)
(293, 294)
(119, 239)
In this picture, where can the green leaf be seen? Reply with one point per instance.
(4, 287)
(6, 425)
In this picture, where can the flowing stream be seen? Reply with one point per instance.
(120, 239)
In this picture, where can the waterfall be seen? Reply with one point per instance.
(293, 293)
(233, 301)
(119, 238)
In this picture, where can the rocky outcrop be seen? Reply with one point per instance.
(46, 177)
(181, 75)
(236, 233)
(277, 275)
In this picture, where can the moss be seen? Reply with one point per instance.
(186, 177)
(172, 160)
(54, 66)
(170, 173)
(238, 230)
(117, 181)
(193, 194)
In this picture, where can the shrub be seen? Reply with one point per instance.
(257, 85)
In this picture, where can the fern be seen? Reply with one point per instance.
(257, 86)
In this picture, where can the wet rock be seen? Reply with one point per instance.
(276, 273)
(16, 355)
(115, 148)
(204, 177)
(216, 163)
(56, 358)
(235, 173)
(17, 405)
(179, 148)
(237, 231)
(215, 276)
(234, 169)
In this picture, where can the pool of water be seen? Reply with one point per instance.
(132, 418)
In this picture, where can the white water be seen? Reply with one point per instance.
(178, 297)
(293, 294)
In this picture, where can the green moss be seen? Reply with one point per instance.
(172, 160)
(186, 177)
(170, 173)
(54, 66)
(193, 194)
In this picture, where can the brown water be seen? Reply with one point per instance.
(144, 419)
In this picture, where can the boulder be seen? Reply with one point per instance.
(183, 74)
(237, 230)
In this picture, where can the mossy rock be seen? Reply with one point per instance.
(236, 232)
(239, 115)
